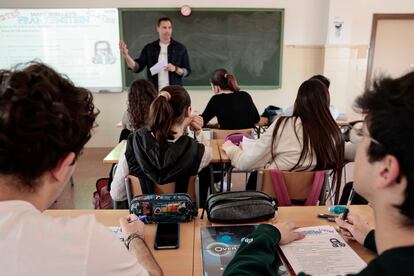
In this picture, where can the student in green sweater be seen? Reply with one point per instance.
(384, 175)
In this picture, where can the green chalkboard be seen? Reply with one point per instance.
(248, 43)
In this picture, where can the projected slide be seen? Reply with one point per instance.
(81, 43)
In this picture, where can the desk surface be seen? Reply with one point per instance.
(350, 118)
(223, 156)
(173, 262)
(302, 216)
(187, 259)
(215, 150)
(113, 156)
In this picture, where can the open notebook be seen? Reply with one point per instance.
(322, 252)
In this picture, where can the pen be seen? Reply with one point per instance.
(141, 218)
(345, 214)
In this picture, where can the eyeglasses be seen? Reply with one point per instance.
(357, 134)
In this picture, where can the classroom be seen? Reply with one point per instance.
(350, 43)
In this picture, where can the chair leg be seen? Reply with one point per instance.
(197, 192)
(229, 172)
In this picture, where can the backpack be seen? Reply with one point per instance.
(271, 113)
(101, 197)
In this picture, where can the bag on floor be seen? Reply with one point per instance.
(239, 207)
(164, 208)
(101, 197)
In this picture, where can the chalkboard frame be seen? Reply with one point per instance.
(208, 87)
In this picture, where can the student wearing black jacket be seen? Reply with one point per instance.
(162, 152)
(383, 175)
(175, 53)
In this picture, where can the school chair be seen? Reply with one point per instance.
(294, 187)
(221, 134)
(133, 188)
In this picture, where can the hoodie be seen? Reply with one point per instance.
(151, 164)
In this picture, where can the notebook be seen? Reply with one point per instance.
(322, 252)
(219, 245)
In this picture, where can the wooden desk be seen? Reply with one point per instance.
(223, 156)
(302, 216)
(172, 262)
(216, 152)
(113, 156)
(350, 118)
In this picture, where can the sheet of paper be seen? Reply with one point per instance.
(116, 230)
(158, 67)
(322, 252)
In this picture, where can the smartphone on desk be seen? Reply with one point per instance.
(167, 236)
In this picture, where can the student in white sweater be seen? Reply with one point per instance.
(308, 140)
(44, 123)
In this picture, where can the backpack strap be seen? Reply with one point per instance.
(282, 195)
(279, 187)
(317, 184)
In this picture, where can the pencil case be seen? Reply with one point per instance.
(163, 208)
(239, 207)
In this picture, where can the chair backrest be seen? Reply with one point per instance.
(221, 133)
(286, 186)
(133, 188)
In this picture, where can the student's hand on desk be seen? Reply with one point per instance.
(130, 225)
(227, 144)
(287, 233)
(196, 123)
(354, 228)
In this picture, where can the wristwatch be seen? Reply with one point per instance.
(131, 237)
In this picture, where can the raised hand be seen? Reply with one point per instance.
(123, 48)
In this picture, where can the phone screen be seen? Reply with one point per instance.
(167, 236)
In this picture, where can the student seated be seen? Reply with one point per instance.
(383, 175)
(163, 152)
(140, 96)
(233, 108)
(44, 123)
(332, 109)
(308, 140)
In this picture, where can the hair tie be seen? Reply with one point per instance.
(225, 76)
(166, 95)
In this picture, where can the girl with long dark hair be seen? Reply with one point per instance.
(308, 140)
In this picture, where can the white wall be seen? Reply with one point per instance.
(305, 34)
(360, 12)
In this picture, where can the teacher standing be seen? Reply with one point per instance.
(164, 48)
